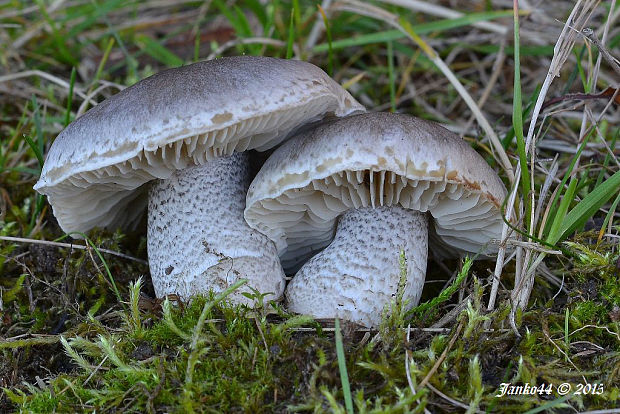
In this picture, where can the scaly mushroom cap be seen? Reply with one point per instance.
(176, 119)
(375, 159)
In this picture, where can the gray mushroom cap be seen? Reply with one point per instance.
(173, 120)
(374, 159)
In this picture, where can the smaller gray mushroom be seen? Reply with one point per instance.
(359, 190)
(174, 141)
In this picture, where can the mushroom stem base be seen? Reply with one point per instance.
(357, 276)
(197, 237)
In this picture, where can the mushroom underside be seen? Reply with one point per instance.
(357, 276)
(198, 240)
(301, 219)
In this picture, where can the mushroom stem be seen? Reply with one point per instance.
(197, 237)
(358, 274)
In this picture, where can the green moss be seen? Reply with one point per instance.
(589, 312)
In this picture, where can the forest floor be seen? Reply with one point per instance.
(81, 331)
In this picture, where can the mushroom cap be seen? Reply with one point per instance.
(374, 159)
(176, 119)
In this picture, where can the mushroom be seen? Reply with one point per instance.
(173, 141)
(367, 187)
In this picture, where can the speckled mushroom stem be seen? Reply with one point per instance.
(357, 275)
(198, 239)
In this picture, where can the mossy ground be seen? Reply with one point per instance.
(134, 357)
(78, 334)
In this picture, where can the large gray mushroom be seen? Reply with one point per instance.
(173, 141)
(364, 188)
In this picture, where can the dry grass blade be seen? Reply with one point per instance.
(442, 357)
(562, 50)
(498, 67)
(408, 368)
(49, 77)
(440, 11)
(604, 53)
(84, 105)
(452, 400)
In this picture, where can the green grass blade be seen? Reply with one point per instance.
(517, 122)
(37, 147)
(240, 29)
(530, 51)
(260, 12)
(58, 38)
(157, 51)
(104, 59)
(328, 33)
(197, 47)
(554, 233)
(342, 367)
(291, 36)
(70, 97)
(391, 76)
(239, 22)
(553, 216)
(608, 217)
(608, 156)
(589, 205)
(425, 28)
(23, 170)
(582, 73)
(507, 140)
(92, 15)
(297, 13)
(271, 28)
(557, 403)
(361, 40)
(566, 326)
(246, 31)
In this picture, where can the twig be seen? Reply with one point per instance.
(38, 340)
(94, 371)
(443, 356)
(70, 245)
(408, 369)
(450, 316)
(597, 327)
(452, 400)
(591, 36)
(545, 329)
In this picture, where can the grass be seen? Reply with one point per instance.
(79, 330)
